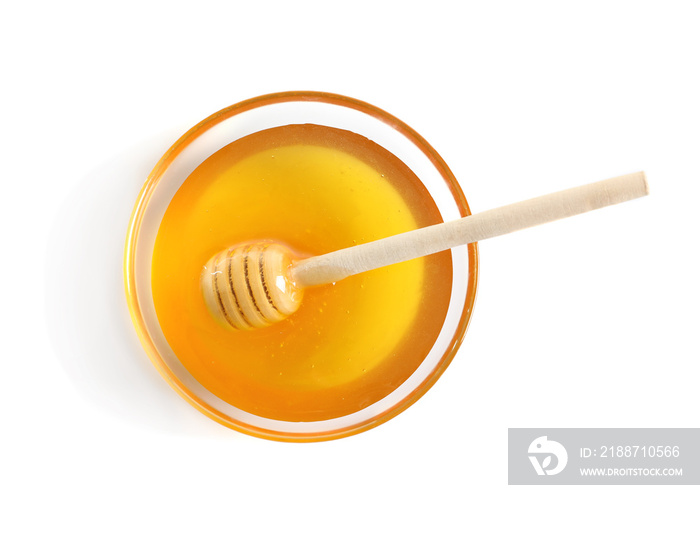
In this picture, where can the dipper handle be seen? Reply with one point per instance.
(337, 265)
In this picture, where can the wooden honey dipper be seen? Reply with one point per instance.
(258, 284)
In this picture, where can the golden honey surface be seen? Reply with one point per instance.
(314, 189)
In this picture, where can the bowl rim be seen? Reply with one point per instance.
(136, 220)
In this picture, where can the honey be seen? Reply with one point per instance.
(314, 189)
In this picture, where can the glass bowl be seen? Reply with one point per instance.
(241, 120)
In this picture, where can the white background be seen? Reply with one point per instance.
(590, 322)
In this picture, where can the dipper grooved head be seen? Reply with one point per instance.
(248, 286)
